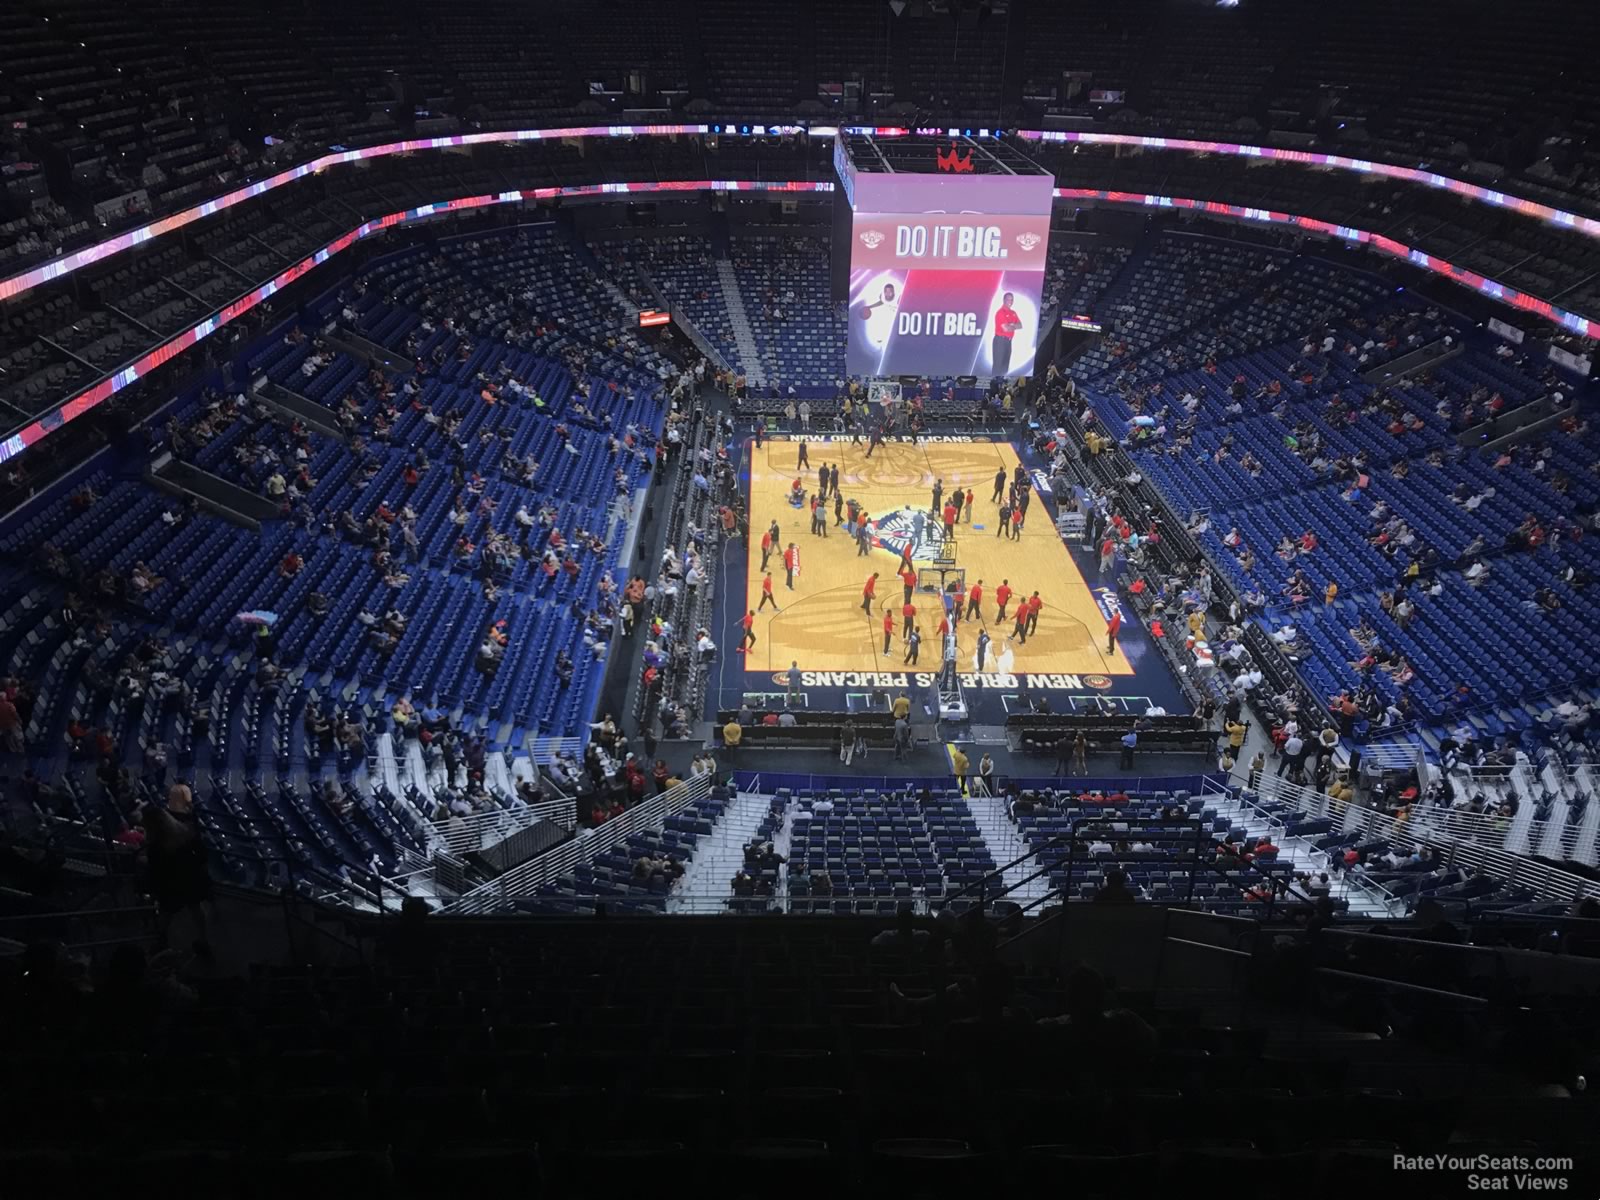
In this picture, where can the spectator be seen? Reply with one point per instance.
(180, 880)
(1115, 888)
(905, 935)
(985, 783)
(10, 723)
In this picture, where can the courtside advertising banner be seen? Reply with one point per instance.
(946, 273)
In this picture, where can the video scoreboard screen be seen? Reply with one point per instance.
(946, 273)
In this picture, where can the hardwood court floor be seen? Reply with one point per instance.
(821, 624)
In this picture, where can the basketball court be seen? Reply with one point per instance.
(821, 624)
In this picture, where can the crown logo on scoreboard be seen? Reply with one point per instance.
(1028, 240)
(953, 161)
(872, 239)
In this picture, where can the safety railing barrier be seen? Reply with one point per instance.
(485, 830)
(83, 926)
(725, 903)
(1535, 965)
(1425, 827)
(1437, 821)
(1423, 821)
(526, 879)
(546, 750)
(1279, 831)
(1394, 756)
(770, 781)
(1252, 882)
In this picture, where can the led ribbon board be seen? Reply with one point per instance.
(1504, 293)
(16, 285)
(1588, 226)
(102, 391)
(77, 405)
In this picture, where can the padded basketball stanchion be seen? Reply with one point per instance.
(952, 703)
(939, 578)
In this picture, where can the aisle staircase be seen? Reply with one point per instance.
(1554, 828)
(1006, 844)
(743, 336)
(782, 839)
(1518, 836)
(624, 302)
(1300, 851)
(1587, 849)
(718, 856)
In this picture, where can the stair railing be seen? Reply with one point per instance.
(1247, 876)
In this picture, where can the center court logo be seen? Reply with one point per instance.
(913, 527)
(1098, 682)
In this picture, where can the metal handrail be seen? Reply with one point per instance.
(1392, 941)
(249, 845)
(1275, 821)
(1279, 887)
(483, 831)
(20, 918)
(1396, 985)
(1545, 881)
(526, 879)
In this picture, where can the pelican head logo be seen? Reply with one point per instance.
(1028, 240)
(872, 239)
